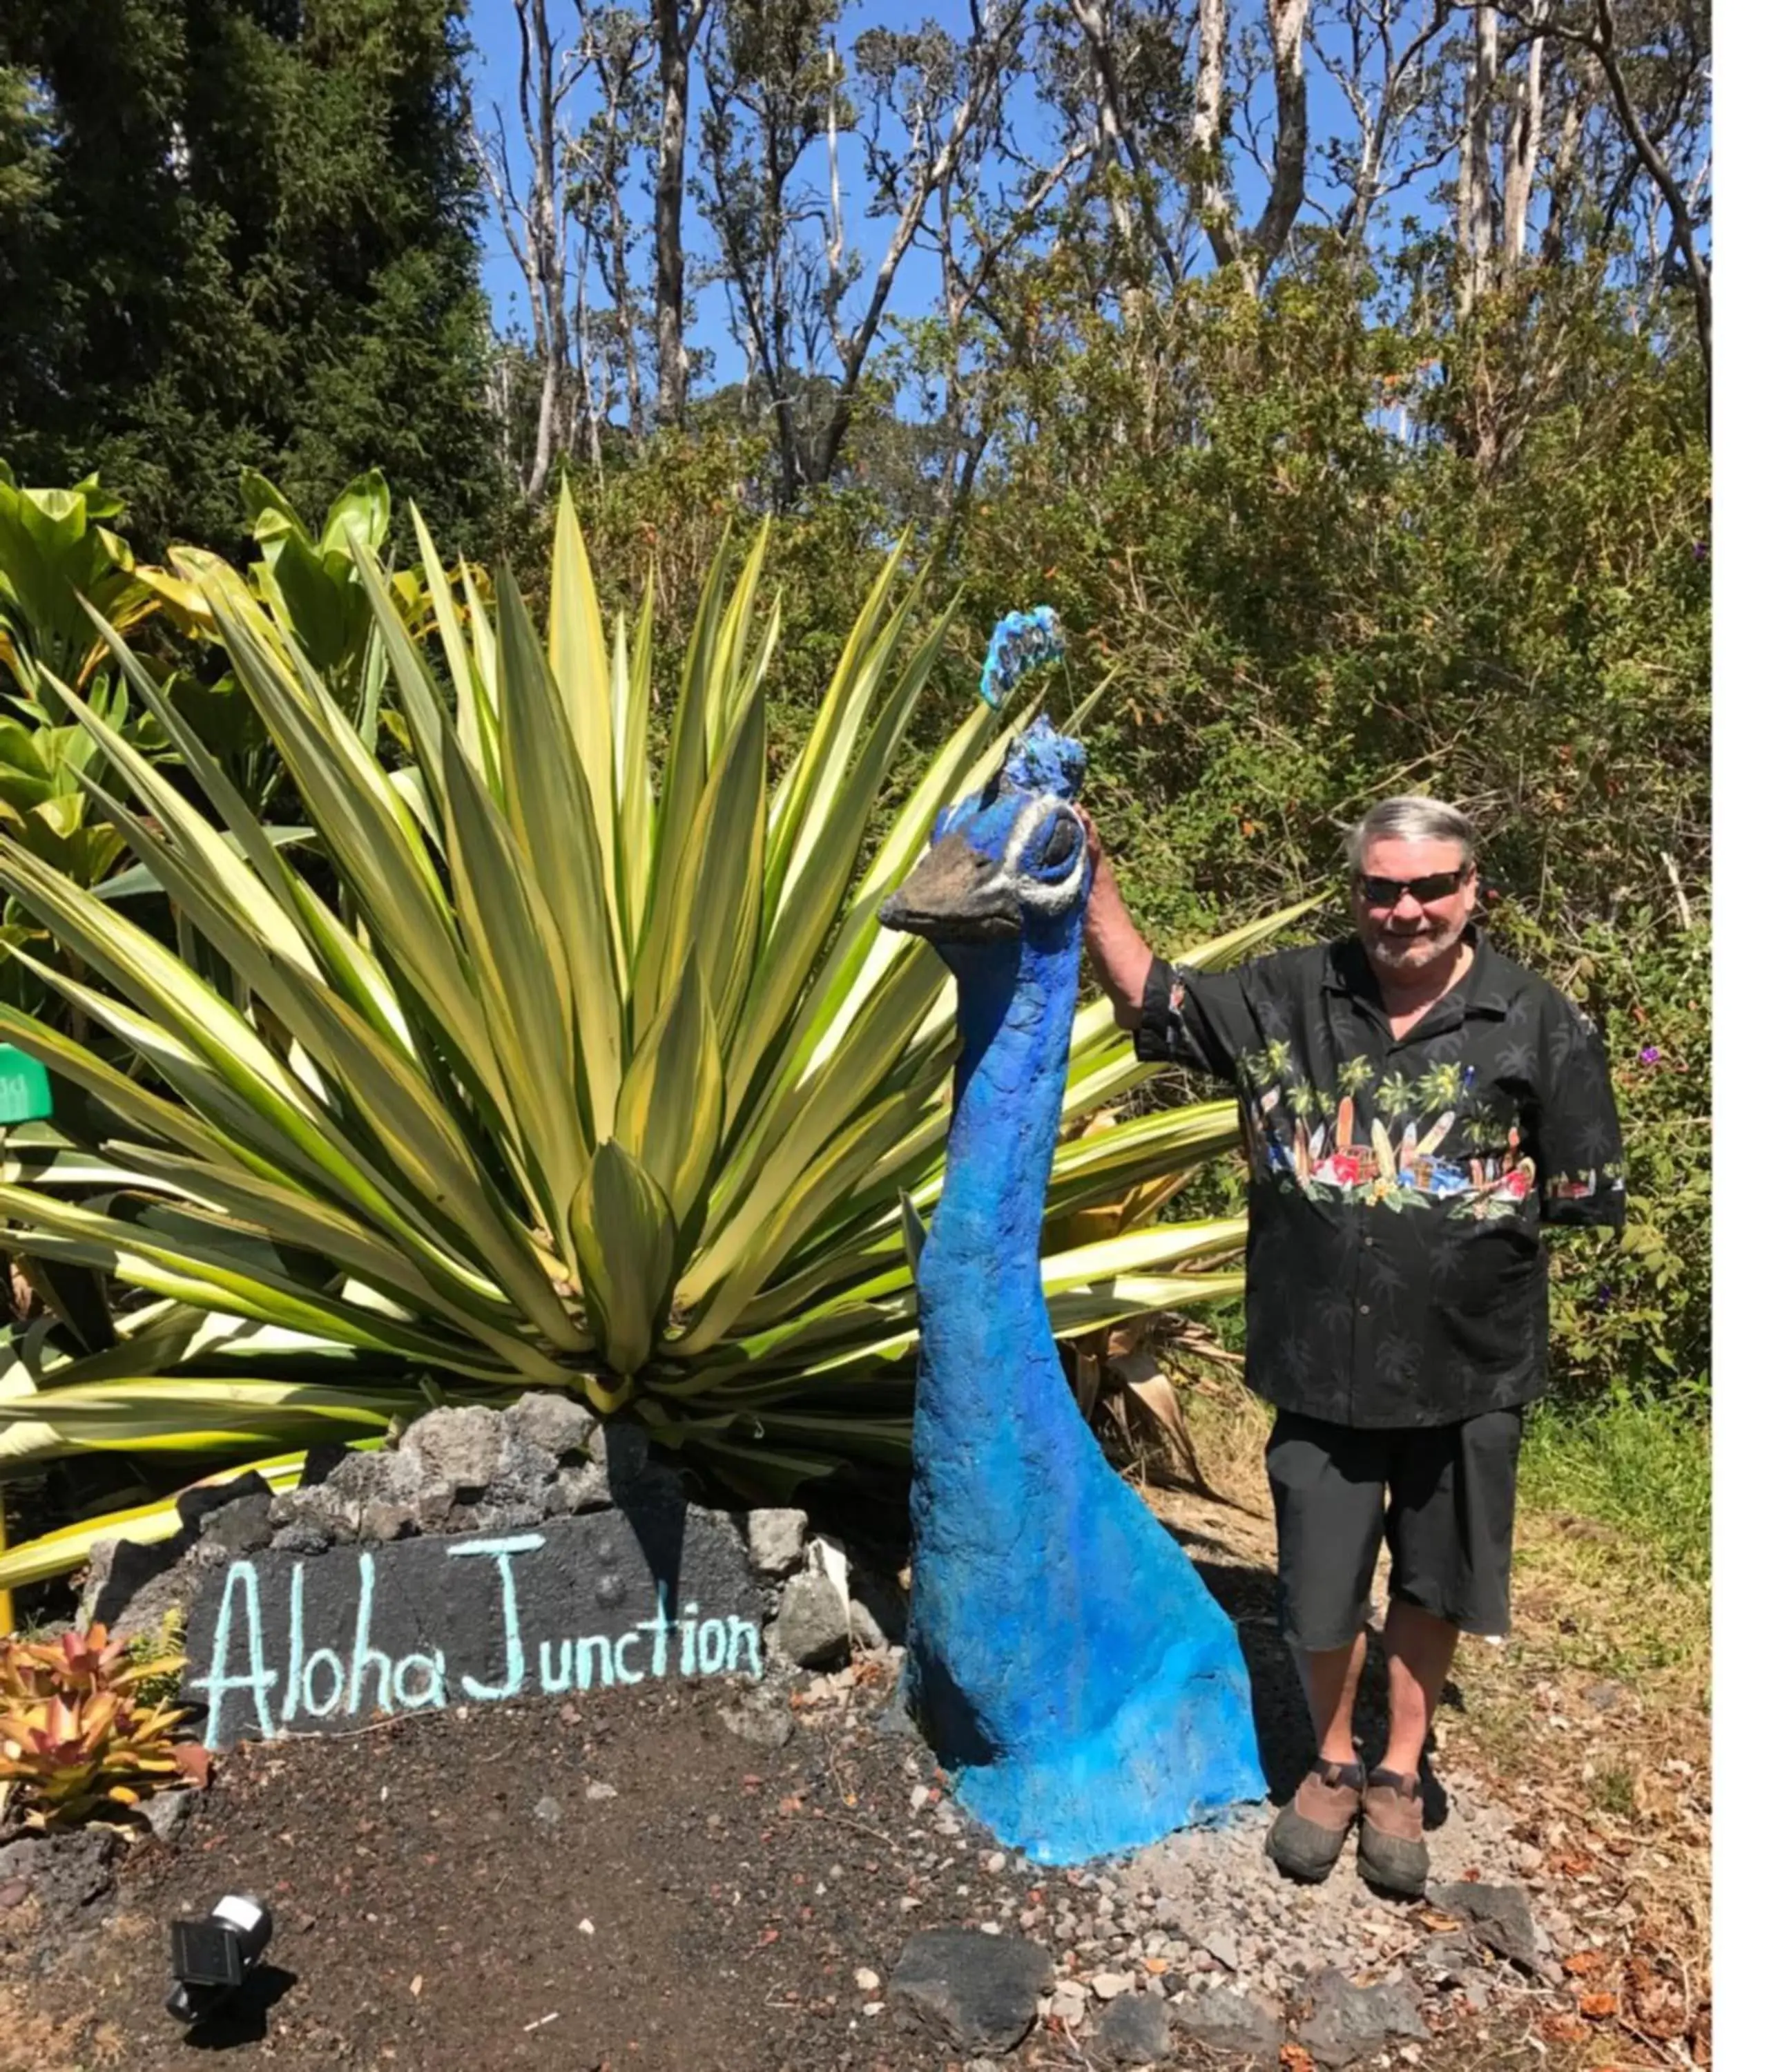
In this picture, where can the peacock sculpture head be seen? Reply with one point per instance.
(1009, 861)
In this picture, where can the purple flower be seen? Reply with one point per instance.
(1700, 550)
(1650, 1054)
(1605, 1296)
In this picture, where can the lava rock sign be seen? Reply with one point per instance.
(279, 1643)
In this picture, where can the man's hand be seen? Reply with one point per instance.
(1096, 853)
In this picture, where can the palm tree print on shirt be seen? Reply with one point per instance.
(1276, 1059)
(1441, 1088)
(1393, 1096)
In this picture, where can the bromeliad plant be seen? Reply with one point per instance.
(568, 1071)
(77, 1735)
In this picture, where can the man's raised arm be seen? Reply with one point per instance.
(1120, 958)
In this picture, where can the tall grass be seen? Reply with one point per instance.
(1641, 1465)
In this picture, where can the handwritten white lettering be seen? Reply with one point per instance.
(356, 1675)
(587, 1647)
(362, 1655)
(258, 1679)
(435, 1689)
(500, 1550)
(291, 1689)
(328, 1659)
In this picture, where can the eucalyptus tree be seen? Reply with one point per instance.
(679, 23)
(1649, 64)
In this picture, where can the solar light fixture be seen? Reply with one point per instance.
(212, 1957)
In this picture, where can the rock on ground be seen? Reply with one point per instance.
(1133, 2030)
(776, 1540)
(761, 1716)
(1068, 2004)
(812, 1627)
(244, 1527)
(167, 1813)
(1499, 1914)
(461, 1449)
(557, 1424)
(66, 1872)
(1350, 2022)
(1225, 2019)
(970, 1991)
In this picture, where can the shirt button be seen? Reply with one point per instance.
(1367, 1242)
(1363, 1309)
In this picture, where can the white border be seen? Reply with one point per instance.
(1741, 1822)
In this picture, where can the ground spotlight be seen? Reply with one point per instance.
(212, 1957)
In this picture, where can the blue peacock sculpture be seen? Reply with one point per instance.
(1065, 1662)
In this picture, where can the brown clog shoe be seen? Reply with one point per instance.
(1391, 1852)
(1305, 1840)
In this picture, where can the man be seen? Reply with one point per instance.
(1416, 1106)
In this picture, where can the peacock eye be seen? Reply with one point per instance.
(1059, 848)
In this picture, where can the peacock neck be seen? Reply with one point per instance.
(1017, 1005)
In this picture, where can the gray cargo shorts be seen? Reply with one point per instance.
(1444, 1496)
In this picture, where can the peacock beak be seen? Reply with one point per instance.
(954, 894)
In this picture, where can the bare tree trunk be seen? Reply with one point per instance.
(1563, 180)
(1215, 209)
(540, 460)
(1383, 114)
(530, 226)
(629, 328)
(1288, 19)
(1675, 201)
(677, 28)
(1256, 251)
(539, 109)
(990, 52)
(1090, 14)
(834, 244)
(1522, 148)
(1474, 171)
(1596, 34)
(1486, 80)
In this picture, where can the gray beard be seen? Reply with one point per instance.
(1416, 950)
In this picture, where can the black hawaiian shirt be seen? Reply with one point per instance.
(1395, 1269)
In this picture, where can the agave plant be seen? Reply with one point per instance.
(567, 1071)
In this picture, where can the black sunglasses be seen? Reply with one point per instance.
(1388, 891)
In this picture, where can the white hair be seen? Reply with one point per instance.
(1412, 819)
